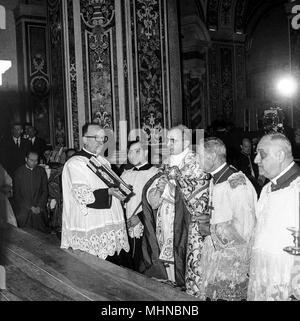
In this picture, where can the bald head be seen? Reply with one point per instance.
(274, 154)
(179, 138)
(212, 153)
(246, 146)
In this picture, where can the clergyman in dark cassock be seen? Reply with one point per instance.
(30, 194)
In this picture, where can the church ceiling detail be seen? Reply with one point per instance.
(240, 10)
(225, 12)
(213, 14)
(235, 14)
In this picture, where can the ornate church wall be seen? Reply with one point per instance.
(116, 65)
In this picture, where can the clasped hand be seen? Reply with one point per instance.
(204, 224)
(116, 193)
(35, 210)
(162, 182)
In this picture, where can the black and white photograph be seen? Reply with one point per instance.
(149, 155)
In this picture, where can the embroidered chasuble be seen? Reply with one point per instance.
(194, 186)
(6, 211)
(275, 274)
(93, 221)
(189, 177)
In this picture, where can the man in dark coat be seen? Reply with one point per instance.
(37, 144)
(245, 163)
(30, 194)
(14, 149)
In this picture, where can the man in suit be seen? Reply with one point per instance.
(26, 128)
(274, 273)
(14, 149)
(245, 163)
(37, 144)
(245, 160)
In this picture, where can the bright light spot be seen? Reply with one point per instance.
(287, 86)
(4, 66)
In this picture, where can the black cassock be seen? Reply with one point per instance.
(30, 188)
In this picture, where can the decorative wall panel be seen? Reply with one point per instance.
(195, 90)
(115, 63)
(57, 93)
(98, 33)
(226, 63)
(38, 78)
(34, 68)
(214, 81)
(151, 58)
(73, 75)
(240, 73)
(223, 83)
(213, 14)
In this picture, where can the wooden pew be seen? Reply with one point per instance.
(37, 269)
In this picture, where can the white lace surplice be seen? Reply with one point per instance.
(6, 211)
(225, 258)
(275, 274)
(165, 224)
(100, 232)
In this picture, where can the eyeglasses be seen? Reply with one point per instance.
(97, 138)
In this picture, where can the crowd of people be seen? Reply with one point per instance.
(212, 224)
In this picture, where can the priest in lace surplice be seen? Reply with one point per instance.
(225, 256)
(274, 273)
(92, 219)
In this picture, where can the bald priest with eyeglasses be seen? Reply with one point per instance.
(92, 219)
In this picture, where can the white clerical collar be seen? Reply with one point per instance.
(138, 167)
(28, 167)
(89, 152)
(218, 169)
(176, 160)
(274, 180)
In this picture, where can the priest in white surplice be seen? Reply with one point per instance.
(225, 256)
(137, 176)
(275, 274)
(93, 219)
